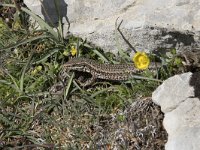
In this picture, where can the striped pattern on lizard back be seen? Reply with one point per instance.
(101, 71)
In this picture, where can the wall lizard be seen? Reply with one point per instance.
(116, 72)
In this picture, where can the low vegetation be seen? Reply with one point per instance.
(105, 115)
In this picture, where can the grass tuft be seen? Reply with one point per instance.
(101, 116)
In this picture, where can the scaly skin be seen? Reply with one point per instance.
(102, 71)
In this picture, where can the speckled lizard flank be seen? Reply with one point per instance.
(118, 72)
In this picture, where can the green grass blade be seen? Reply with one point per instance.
(144, 78)
(13, 80)
(25, 42)
(102, 91)
(77, 86)
(44, 58)
(68, 86)
(102, 56)
(60, 26)
(42, 23)
(23, 73)
(9, 84)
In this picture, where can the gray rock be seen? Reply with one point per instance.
(183, 126)
(182, 112)
(173, 91)
(147, 24)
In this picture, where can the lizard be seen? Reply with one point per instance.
(116, 72)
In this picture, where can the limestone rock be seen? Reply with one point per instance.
(178, 101)
(173, 91)
(147, 24)
(183, 126)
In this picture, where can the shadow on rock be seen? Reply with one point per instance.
(52, 14)
(195, 82)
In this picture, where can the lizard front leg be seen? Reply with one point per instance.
(88, 82)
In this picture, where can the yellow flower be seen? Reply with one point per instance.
(66, 53)
(141, 60)
(36, 70)
(16, 25)
(39, 68)
(73, 51)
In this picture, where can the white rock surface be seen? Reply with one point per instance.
(143, 22)
(173, 91)
(182, 112)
